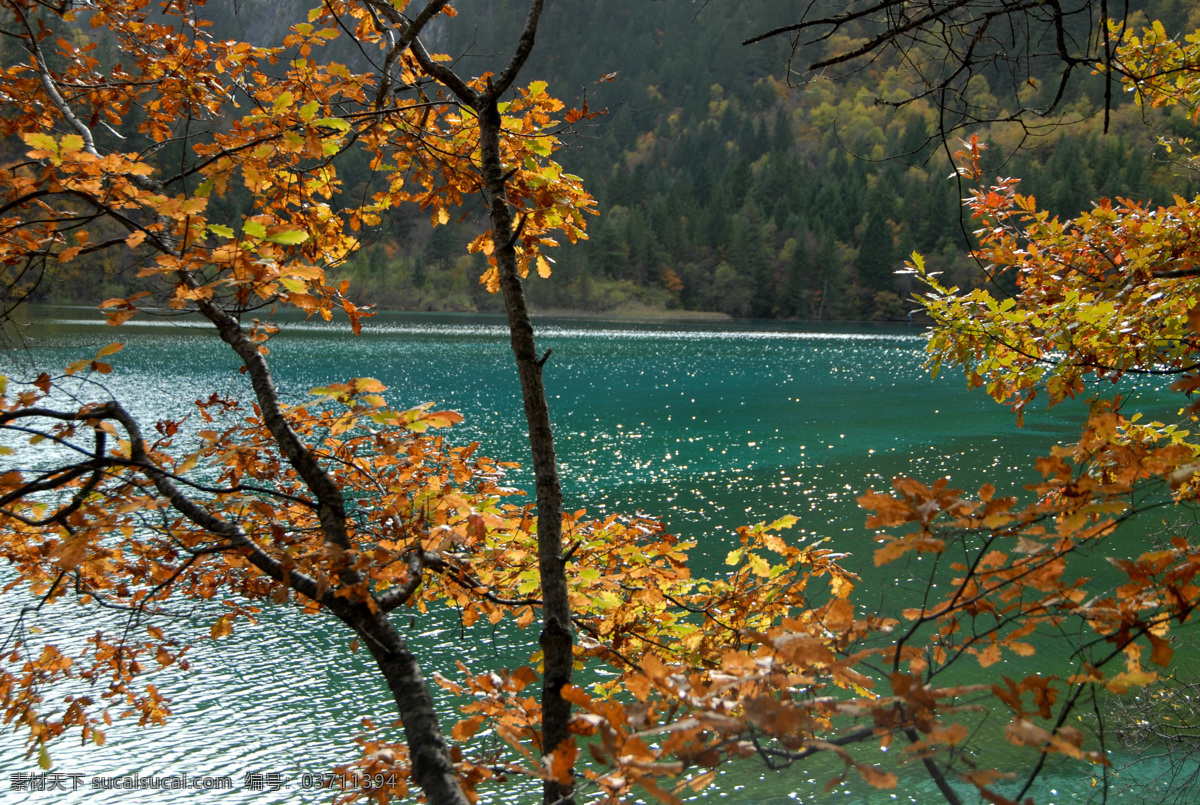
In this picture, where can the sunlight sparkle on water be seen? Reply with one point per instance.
(728, 421)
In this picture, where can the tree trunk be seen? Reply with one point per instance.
(556, 639)
(432, 768)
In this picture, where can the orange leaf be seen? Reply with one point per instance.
(576, 696)
(875, 777)
(1193, 317)
(71, 552)
(1162, 651)
(562, 761)
(839, 615)
(989, 655)
(466, 728)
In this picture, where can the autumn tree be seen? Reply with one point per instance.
(277, 491)
(346, 505)
(976, 62)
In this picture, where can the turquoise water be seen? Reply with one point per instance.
(708, 426)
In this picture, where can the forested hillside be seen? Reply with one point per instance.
(724, 183)
(725, 187)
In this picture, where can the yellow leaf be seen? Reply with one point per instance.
(758, 565)
(41, 141)
(188, 464)
(222, 627)
(293, 285)
(291, 237)
(368, 385)
(491, 280)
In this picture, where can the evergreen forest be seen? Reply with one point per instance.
(729, 181)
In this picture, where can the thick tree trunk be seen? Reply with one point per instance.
(427, 748)
(556, 638)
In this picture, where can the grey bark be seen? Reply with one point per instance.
(556, 638)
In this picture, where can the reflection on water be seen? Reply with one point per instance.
(711, 427)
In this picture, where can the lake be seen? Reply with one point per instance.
(709, 426)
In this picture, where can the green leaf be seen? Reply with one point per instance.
(332, 123)
(294, 285)
(308, 110)
(588, 575)
(787, 521)
(284, 101)
(529, 582)
(607, 600)
(254, 229)
(291, 237)
(221, 229)
(44, 758)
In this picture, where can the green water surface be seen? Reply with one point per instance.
(707, 426)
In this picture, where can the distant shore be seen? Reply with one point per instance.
(49, 311)
(630, 314)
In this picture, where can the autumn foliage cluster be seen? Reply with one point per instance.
(346, 505)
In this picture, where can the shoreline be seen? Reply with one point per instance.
(630, 314)
(29, 312)
(647, 314)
